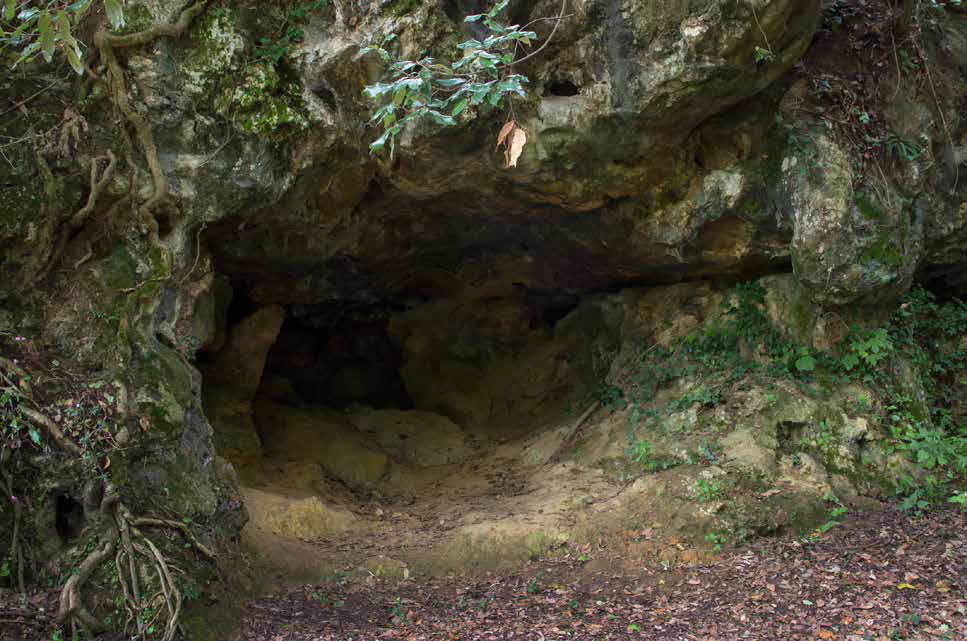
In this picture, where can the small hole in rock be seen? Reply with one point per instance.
(69, 518)
(563, 88)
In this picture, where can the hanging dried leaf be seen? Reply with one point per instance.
(506, 129)
(517, 141)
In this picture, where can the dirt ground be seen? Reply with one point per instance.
(881, 575)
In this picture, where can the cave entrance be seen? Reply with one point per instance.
(445, 406)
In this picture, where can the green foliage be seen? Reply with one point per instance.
(717, 540)
(903, 149)
(836, 514)
(534, 585)
(640, 451)
(15, 430)
(435, 91)
(922, 333)
(930, 336)
(396, 609)
(707, 490)
(273, 50)
(761, 55)
(45, 28)
(643, 454)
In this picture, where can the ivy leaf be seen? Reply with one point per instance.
(115, 14)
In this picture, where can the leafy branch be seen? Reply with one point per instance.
(43, 28)
(437, 91)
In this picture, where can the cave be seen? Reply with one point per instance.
(323, 408)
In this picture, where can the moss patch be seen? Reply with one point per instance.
(883, 250)
(867, 208)
(403, 7)
(265, 103)
(120, 270)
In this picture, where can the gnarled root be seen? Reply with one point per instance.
(119, 536)
(106, 44)
(71, 605)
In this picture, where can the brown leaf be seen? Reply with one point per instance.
(506, 129)
(517, 141)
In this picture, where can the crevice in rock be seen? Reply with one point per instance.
(68, 517)
(563, 88)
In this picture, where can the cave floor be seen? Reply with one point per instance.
(474, 516)
(879, 575)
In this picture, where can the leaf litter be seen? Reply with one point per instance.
(882, 576)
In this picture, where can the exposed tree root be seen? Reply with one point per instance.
(142, 522)
(106, 44)
(72, 606)
(119, 538)
(78, 219)
(63, 441)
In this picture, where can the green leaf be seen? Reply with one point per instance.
(9, 7)
(115, 14)
(806, 363)
(46, 36)
(441, 119)
(474, 18)
(377, 90)
(34, 436)
(74, 58)
(64, 27)
(79, 7)
(459, 107)
(449, 82)
(498, 8)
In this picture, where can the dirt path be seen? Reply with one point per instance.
(879, 576)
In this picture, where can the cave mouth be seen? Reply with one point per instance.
(435, 403)
(455, 375)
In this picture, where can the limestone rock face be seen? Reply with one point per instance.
(608, 188)
(239, 365)
(844, 248)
